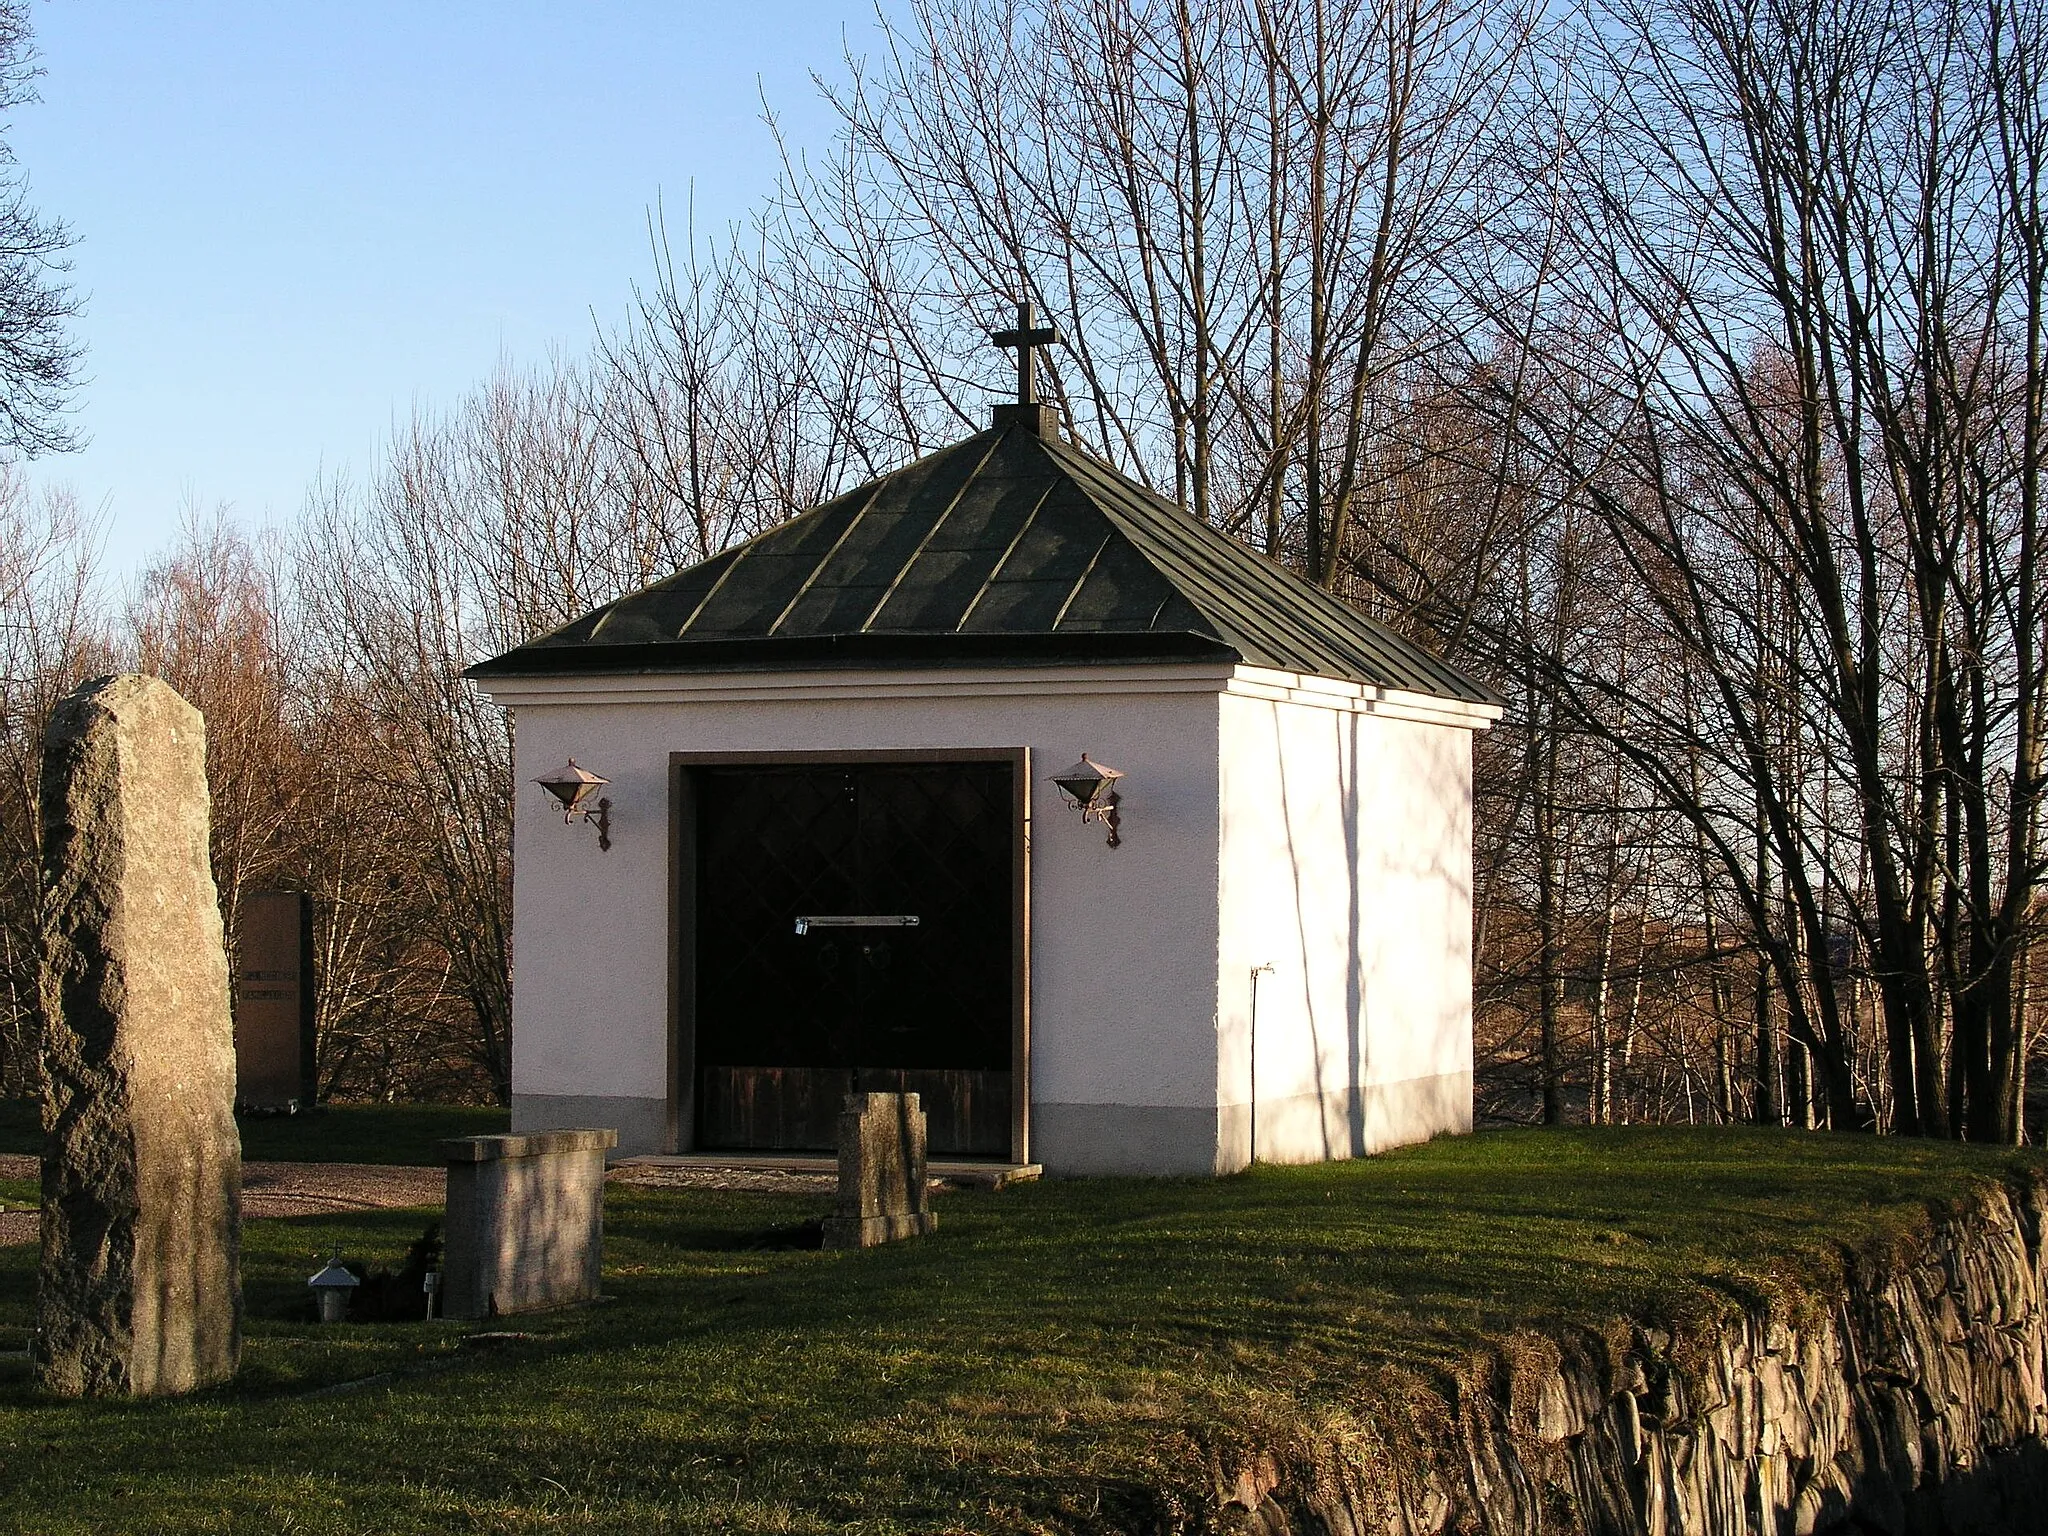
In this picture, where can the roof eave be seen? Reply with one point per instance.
(756, 654)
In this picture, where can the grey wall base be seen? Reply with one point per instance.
(1307, 1128)
(642, 1124)
(1397, 1114)
(1079, 1140)
(1073, 1140)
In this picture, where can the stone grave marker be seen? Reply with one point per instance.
(524, 1226)
(883, 1191)
(274, 1000)
(140, 1287)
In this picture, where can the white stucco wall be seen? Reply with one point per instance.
(1346, 866)
(1123, 940)
(1251, 800)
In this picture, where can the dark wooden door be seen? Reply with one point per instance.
(788, 1022)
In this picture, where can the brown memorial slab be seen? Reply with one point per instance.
(274, 1000)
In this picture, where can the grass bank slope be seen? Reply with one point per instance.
(1057, 1357)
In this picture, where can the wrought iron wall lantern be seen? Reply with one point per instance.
(1091, 789)
(573, 786)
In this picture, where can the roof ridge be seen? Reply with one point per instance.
(1008, 545)
(735, 554)
(930, 533)
(1275, 583)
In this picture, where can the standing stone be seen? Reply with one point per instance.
(141, 1288)
(883, 1191)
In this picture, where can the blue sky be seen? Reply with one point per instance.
(298, 220)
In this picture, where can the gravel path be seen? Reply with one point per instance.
(312, 1189)
(773, 1181)
(277, 1189)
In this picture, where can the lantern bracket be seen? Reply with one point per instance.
(572, 787)
(1090, 787)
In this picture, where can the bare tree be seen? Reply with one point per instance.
(1248, 216)
(212, 619)
(38, 358)
(544, 494)
(53, 634)
(1813, 435)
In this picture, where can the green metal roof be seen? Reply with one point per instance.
(1007, 547)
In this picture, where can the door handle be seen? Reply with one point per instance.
(805, 924)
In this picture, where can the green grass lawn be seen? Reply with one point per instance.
(340, 1133)
(1052, 1358)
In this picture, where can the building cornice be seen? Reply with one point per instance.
(1358, 698)
(839, 685)
(851, 683)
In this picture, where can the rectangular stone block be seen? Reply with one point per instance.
(274, 1000)
(884, 1191)
(524, 1227)
(140, 1284)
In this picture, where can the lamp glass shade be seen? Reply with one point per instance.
(1079, 783)
(1085, 781)
(571, 785)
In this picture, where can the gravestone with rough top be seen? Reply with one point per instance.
(140, 1288)
(883, 1190)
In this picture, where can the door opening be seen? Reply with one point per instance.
(855, 928)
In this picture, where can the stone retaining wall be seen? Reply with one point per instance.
(1914, 1404)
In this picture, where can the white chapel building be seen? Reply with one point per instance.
(837, 859)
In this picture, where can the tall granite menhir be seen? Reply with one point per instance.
(141, 1288)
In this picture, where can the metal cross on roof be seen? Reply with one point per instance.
(1027, 338)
